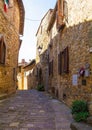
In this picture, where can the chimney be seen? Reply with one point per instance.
(23, 61)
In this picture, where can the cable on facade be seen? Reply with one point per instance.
(31, 19)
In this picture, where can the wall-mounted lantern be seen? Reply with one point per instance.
(39, 49)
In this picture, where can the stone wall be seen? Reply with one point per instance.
(42, 35)
(41, 58)
(9, 27)
(76, 35)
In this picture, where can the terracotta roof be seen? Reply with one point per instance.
(29, 64)
(22, 16)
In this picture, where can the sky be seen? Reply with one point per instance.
(34, 12)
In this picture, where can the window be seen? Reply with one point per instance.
(19, 69)
(51, 68)
(63, 61)
(11, 3)
(40, 72)
(2, 50)
(66, 60)
(14, 74)
(51, 43)
(36, 72)
(59, 63)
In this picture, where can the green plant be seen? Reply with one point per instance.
(81, 116)
(80, 110)
(79, 106)
(40, 87)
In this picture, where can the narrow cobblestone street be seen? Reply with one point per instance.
(33, 110)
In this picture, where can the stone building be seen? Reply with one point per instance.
(29, 75)
(11, 27)
(25, 75)
(41, 71)
(20, 74)
(70, 50)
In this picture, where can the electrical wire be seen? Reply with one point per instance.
(31, 19)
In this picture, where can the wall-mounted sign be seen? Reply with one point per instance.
(87, 73)
(87, 65)
(75, 80)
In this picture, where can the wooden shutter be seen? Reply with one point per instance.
(60, 63)
(60, 7)
(49, 68)
(60, 11)
(61, 66)
(40, 72)
(52, 67)
(2, 52)
(66, 60)
(14, 74)
(37, 72)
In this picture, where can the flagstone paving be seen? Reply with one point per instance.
(33, 110)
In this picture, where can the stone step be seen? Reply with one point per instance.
(80, 126)
(3, 96)
(90, 107)
(89, 120)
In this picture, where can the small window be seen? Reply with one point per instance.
(11, 3)
(2, 50)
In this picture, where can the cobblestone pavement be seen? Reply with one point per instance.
(33, 110)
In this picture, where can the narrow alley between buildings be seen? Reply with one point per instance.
(56, 38)
(34, 110)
